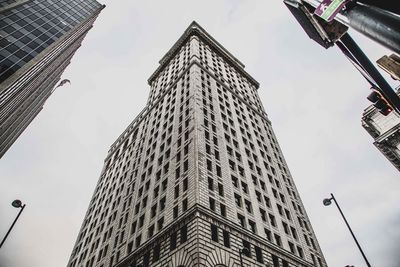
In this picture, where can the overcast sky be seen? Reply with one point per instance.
(313, 96)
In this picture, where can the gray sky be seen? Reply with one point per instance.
(313, 96)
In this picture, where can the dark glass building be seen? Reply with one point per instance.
(37, 41)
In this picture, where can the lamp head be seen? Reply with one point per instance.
(17, 203)
(327, 201)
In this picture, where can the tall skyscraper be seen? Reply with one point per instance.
(198, 178)
(37, 41)
(386, 132)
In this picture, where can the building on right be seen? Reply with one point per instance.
(386, 132)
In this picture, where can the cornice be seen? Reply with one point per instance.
(195, 29)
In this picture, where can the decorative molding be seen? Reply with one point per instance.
(195, 29)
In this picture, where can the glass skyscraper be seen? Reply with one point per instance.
(198, 178)
(37, 41)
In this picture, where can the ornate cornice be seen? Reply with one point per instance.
(195, 29)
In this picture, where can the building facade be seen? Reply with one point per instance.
(198, 178)
(386, 132)
(38, 39)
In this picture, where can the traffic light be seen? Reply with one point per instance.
(380, 102)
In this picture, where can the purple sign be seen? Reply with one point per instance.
(328, 9)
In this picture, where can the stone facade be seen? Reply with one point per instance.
(386, 132)
(197, 176)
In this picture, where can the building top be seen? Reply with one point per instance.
(195, 29)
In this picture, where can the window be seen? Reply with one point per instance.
(138, 240)
(242, 220)
(141, 221)
(214, 233)
(146, 259)
(253, 226)
(153, 210)
(246, 245)
(176, 211)
(151, 231)
(184, 205)
(183, 234)
(238, 200)
(210, 184)
(212, 204)
(248, 206)
(172, 243)
(129, 248)
(300, 250)
(221, 190)
(245, 188)
(161, 223)
(267, 234)
(227, 241)
(275, 260)
(259, 256)
(185, 184)
(285, 263)
(272, 219)
(223, 209)
(278, 240)
(156, 252)
(235, 181)
(294, 233)
(176, 191)
(291, 247)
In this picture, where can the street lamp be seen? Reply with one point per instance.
(16, 204)
(242, 251)
(327, 202)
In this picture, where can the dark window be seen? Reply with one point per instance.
(156, 252)
(300, 250)
(138, 240)
(253, 226)
(227, 239)
(223, 210)
(146, 259)
(184, 204)
(275, 260)
(212, 204)
(129, 249)
(278, 240)
(242, 220)
(214, 232)
(259, 256)
(246, 245)
(210, 184)
(172, 243)
(221, 190)
(183, 234)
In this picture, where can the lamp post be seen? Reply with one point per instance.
(16, 204)
(242, 251)
(327, 202)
